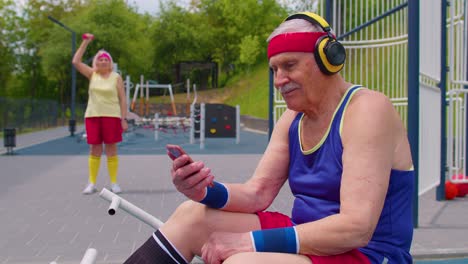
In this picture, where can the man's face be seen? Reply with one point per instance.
(293, 74)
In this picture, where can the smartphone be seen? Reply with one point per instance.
(176, 151)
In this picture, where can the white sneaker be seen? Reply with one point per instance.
(90, 188)
(115, 188)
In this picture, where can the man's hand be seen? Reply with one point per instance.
(222, 245)
(191, 178)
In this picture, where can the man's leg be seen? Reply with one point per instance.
(152, 251)
(189, 227)
(270, 258)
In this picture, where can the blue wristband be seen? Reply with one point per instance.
(282, 240)
(216, 196)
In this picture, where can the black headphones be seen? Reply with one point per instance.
(329, 53)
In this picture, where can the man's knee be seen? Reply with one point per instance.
(189, 211)
(239, 258)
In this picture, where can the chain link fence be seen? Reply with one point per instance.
(25, 114)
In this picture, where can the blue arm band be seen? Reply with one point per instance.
(216, 196)
(282, 240)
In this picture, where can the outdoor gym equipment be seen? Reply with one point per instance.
(119, 202)
(88, 258)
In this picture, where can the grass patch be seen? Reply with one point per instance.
(249, 90)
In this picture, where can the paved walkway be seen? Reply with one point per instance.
(45, 218)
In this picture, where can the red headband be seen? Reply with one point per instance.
(294, 42)
(104, 55)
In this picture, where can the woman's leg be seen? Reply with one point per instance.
(94, 161)
(112, 162)
(95, 151)
(111, 150)
(113, 166)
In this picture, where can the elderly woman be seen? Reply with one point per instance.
(106, 113)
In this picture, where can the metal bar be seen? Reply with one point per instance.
(465, 86)
(270, 104)
(130, 208)
(440, 191)
(413, 96)
(329, 11)
(89, 256)
(73, 88)
(374, 20)
(72, 121)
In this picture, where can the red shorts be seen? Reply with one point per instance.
(274, 220)
(107, 130)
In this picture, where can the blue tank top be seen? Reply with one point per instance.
(315, 180)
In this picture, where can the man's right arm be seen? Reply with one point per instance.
(271, 173)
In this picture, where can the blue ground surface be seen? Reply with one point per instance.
(142, 142)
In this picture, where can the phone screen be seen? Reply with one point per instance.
(176, 151)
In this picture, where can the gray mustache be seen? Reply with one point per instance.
(288, 87)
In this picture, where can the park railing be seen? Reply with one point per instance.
(28, 114)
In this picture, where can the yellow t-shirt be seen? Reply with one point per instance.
(103, 97)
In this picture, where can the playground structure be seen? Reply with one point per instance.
(143, 89)
(200, 120)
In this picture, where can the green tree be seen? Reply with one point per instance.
(36, 32)
(8, 42)
(213, 31)
(232, 20)
(179, 35)
(249, 50)
(117, 29)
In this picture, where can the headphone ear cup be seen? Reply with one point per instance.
(335, 53)
(330, 55)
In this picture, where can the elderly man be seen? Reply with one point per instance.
(345, 153)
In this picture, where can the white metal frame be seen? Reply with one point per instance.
(457, 91)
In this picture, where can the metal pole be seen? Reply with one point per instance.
(72, 124)
(270, 103)
(465, 40)
(72, 121)
(440, 191)
(329, 12)
(413, 96)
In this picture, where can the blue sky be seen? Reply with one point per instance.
(151, 6)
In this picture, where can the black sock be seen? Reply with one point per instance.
(152, 253)
(172, 251)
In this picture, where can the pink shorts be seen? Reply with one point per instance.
(274, 220)
(107, 130)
